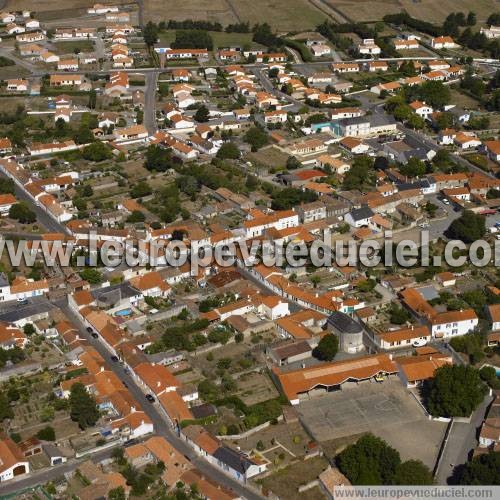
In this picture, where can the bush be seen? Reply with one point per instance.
(46, 434)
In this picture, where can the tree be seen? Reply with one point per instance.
(192, 39)
(415, 121)
(92, 275)
(291, 197)
(327, 348)
(46, 434)
(83, 407)
(150, 34)
(141, 189)
(445, 120)
(136, 216)
(29, 329)
(7, 186)
(468, 227)
(256, 137)
(315, 280)
(202, 114)
(22, 213)
(454, 391)
(488, 373)
(97, 151)
(158, 158)
(484, 469)
(412, 472)
(5, 409)
(228, 151)
(381, 163)
(292, 163)
(117, 493)
(370, 461)
(413, 168)
(398, 315)
(359, 174)
(435, 94)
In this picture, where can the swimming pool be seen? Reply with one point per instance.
(124, 312)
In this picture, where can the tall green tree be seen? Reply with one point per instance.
(327, 348)
(484, 469)
(412, 472)
(468, 227)
(83, 408)
(454, 391)
(370, 461)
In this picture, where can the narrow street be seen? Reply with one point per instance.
(154, 412)
(462, 440)
(150, 103)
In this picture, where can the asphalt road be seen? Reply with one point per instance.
(150, 103)
(46, 475)
(42, 216)
(461, 441)
(154, 412)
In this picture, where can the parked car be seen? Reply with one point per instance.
(89, 329)
(94, 335)
(419, 342)
(114, 359)
(150, 398)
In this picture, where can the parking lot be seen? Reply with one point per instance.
(387, 410)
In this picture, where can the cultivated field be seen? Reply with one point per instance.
(283, 15)
(286, 15)
(206, 10)
(428, 10)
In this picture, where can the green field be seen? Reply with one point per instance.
(220, 38)
(70, 47)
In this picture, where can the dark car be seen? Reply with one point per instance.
(89, 329)
(150, 398)
(94, 334)
(124, 383)
(114, 359)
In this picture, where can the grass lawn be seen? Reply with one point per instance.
(269, 157)
(285, 482)
(14, 71)
(70, 47)
(282, 15)
(463, 100)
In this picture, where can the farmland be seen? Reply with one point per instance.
(281, 14)
(428, 10)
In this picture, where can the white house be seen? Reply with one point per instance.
(443, 42)
(236, 464)
(273, 307)
(12, 461)
(421, 109)
(368, 46)
(494, 314)
(453, 323)
(359, 217)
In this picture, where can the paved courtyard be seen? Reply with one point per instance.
(387, 410)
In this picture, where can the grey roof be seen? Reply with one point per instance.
(233, 459)
(361, 213)
(344, 323)
(114, 293)
(355, 120)
(419, 184)
(203, 411)
(378, 119)
(18, 311)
